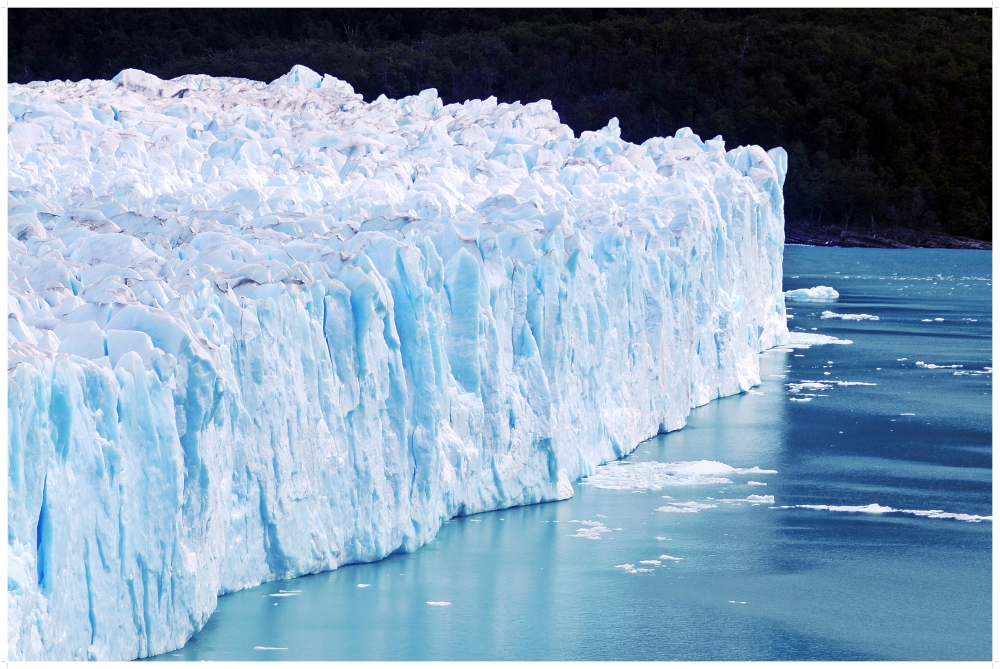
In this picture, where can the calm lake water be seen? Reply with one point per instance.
(726, 578)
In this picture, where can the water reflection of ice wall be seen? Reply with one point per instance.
(258, 331)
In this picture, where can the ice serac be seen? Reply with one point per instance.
(264, 330)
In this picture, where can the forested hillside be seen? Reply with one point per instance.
(886, 114)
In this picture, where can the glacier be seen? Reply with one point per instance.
(257, 331)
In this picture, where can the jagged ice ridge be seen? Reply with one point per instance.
(263, 330)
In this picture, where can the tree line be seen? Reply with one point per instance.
(885, 113)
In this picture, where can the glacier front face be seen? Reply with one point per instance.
(263, 330)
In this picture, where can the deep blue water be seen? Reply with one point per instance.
(754, 582)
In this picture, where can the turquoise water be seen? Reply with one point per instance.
(756, 580)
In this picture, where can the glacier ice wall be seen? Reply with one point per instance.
(262, 330)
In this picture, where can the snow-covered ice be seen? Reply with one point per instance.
(263, 330)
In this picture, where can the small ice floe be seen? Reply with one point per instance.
(801, 388)
(879, 509)
(973, 372)
(930, 365)
(285, 593)
(592, 529)
(751, 499)
(655, 563)
(849, 317)
(686, 507)
(809, 339)
(907, 414)
(269, 648)
(817, 294)
(900, 359)
(475, 520)
(664, 539)
(938, 320)
(671, 557)
(632, 569)
(756, 483)
(364, 585)
(439, 603)
(651, 475)
(926, 320)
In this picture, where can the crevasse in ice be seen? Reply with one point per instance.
(257, 331)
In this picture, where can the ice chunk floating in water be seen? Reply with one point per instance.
(809, 339)
(686, 507)
(848, 317)
(656, 475)
(879, 509)
(817, 294)
(263, 330)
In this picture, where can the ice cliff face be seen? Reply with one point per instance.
(257, 331)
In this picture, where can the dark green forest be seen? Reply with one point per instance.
(885, 113)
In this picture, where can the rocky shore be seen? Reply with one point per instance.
(801, 232)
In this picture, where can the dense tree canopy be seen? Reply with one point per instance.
(886, 114)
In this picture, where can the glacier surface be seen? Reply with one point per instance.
(263, 330)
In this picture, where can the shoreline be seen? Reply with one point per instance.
(811, 234)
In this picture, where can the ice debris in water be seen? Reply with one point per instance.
(686, 507)
(263, 330)
(974, 372)
(930, 365)
(651, 475)
(752, 499)
(810, 339)
(879, 509)
(632, 569)
(592, 529)
(802, 388)
(849, 317)
(439, 603)
(817, 294)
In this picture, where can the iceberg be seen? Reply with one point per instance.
(257, 331)
(817, 294)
